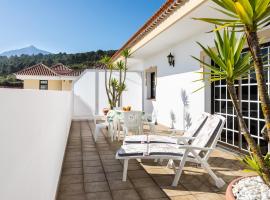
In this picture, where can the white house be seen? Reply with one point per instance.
(168, 88)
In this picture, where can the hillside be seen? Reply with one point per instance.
(9, 65)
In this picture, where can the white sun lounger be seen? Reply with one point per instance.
(188, 135)
(198, 151)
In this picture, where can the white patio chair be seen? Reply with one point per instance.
(188, 135)
(198, 151)
(110, 123)
(132, 121)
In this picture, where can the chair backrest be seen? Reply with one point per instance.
(210, 133)
(117, 108)
(197, 125)
(132, 119)
(110, 115)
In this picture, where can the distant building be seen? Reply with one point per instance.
(41, 77)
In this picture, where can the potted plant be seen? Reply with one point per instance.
(115, 87)
(246, 16)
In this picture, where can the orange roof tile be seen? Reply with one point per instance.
(161, 15)
(42, 70)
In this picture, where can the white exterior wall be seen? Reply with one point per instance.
(172, 81)
(33, 136)
(85, 96)
(91, 92)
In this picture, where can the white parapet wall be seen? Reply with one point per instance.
(90, 94)
(33, 135)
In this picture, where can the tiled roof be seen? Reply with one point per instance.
(161, 15)
(59, 68)
(37, 70)
(42, 70)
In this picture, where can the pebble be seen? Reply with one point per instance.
(251, 188)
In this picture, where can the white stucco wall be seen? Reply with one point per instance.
(90, 90)
(33, 135)
(85, 96)
(172, 81)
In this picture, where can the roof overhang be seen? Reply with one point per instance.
(178, 27)
(27, 77)
(174, 15)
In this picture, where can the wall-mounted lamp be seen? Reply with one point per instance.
(171, 59)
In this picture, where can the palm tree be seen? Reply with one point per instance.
(122, 67)
(248, 16)
(114, 87)
(107, 62)
(230, 66)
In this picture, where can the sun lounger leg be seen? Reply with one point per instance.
(125, 169)
(97, 131)
(179, 171)
(219, 181)
(170, 164)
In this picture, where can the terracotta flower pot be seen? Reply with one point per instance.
(229, 193)
(105, 111)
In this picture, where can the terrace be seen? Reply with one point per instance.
(90, 171)
(51, 147)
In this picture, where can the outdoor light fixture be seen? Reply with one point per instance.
(171, 59)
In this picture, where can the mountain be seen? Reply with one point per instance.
(30, 50)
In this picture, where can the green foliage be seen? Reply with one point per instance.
(252, 164)
(242, 14)
(228, 65)
(10, 81)
(75, 61)
(114, 87)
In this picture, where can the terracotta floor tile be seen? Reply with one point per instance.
(99, 196)
(96, 187)
(125, 194)
(151, 192)
(113, 168)
(143, 182)
(72, 189)
(72, 197)
(114, 175)
(91, 170)
(91, 163)
(120, 185)
(68, 179)
(96, 177)
(185, 197)
(72, 171)
(137, 174)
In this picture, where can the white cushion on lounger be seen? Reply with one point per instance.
(151, 139)
(154, 149)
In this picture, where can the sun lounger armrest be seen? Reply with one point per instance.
(195, 148)
(183, 139)
(174, 131)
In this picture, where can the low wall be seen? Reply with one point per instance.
(90, 95)
(33, 134)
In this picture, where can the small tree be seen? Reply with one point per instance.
(248, 16)
(115, 87)
(230, 66)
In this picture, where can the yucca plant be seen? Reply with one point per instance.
(114, 87)
(230, 65)
(248, 16)
(253, 165)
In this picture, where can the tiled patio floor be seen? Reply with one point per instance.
(90, 172)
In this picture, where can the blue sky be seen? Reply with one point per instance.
(72, 25)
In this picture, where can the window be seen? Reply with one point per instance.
(151, 83)
(43, 85)
(250, 107)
